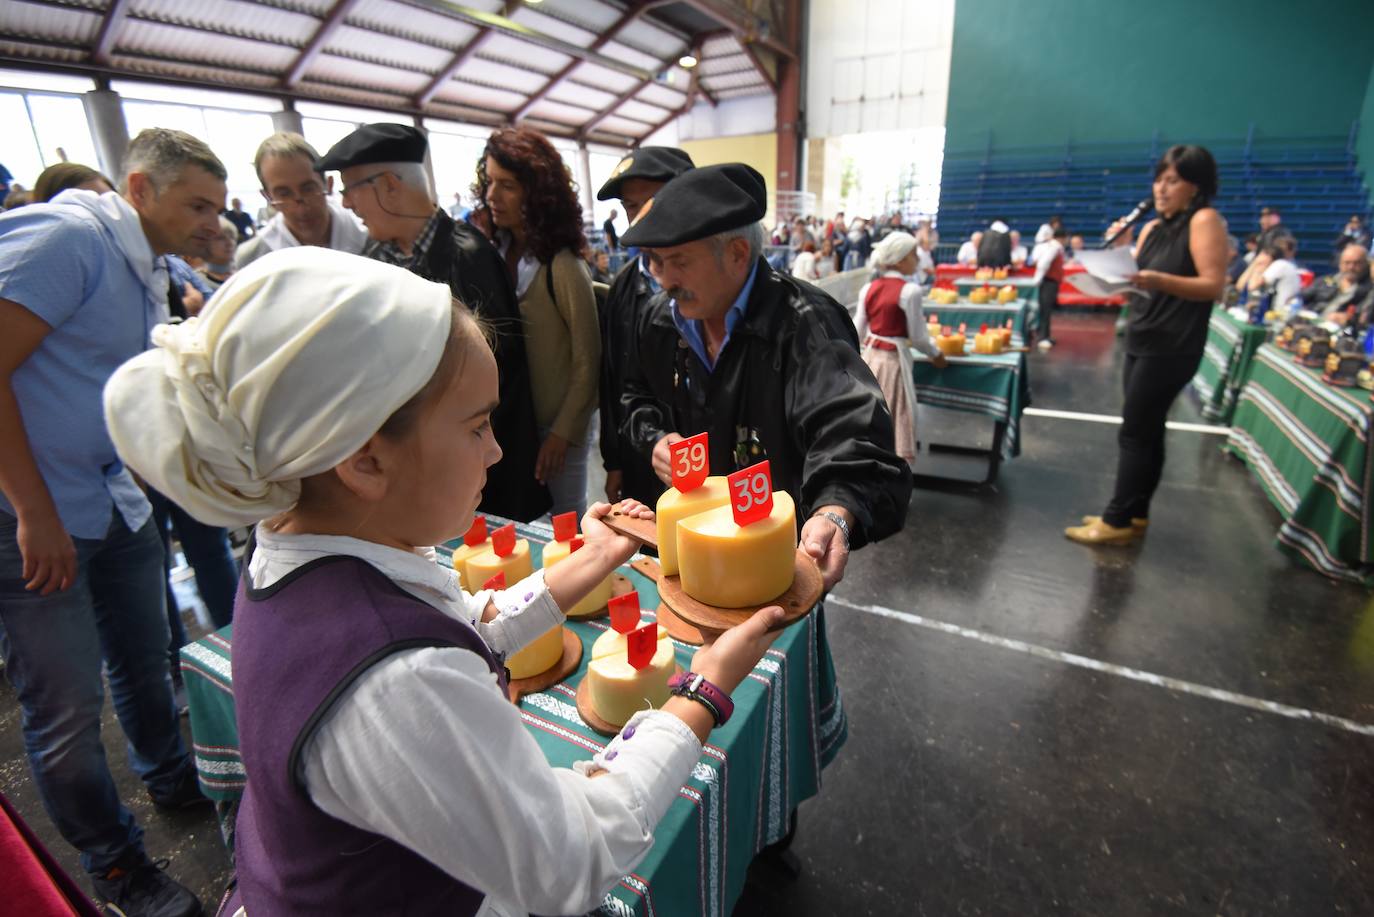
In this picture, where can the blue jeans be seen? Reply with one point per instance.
(207, 551)
(54, 645)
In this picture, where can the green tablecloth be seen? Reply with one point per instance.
(1225, 365)
(789, 722)
(997, 386)
(1308, 444)
(993, 315)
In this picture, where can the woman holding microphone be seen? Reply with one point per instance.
(1182, 258)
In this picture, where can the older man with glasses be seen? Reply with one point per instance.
(296, 187)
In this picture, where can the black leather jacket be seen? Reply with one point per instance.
(789, 386)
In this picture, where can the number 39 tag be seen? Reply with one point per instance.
(751, 493)
(690, 462)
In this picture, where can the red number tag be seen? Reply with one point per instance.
(690, 462)
(933, 320)
(574, 544)
(963, 327)
(477, 534)
(751, 493)
(496, 582)
(640, 645)
(983, 328)
(564, 526)
(624, 612)
(503, 540)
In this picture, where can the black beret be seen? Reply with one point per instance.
(651, 163)
(376, 143)
(700, 203)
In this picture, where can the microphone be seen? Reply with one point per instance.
(1130, 219)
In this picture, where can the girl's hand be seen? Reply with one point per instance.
(727, 660)
(594, 530)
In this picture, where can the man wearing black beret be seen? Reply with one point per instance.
(768, 364)
(386, 184)
(636, 179)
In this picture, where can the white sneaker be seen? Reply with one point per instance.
(1044, 345)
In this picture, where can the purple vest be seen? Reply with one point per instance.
(298, 646)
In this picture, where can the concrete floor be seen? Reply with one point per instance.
(1042, 728)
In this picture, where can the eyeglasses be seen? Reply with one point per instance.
(302, 195)
(358, 184)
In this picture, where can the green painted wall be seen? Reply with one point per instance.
(1364, 146)
(1047, 71)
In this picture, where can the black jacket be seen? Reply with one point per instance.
(790, 387)
(1325, 294)
(629, 293)
(461, 257)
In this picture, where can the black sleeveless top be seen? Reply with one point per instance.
(1164, 324)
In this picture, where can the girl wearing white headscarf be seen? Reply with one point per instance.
(344, 405)
(890, 322)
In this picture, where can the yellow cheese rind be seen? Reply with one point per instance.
(617, 690)
(674, 506)
(723, 564)
(539, 656)
(556, 552)
(460, 563)
(484, 564)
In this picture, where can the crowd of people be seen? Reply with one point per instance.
(355, 376)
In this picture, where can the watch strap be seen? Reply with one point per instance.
(696, 687)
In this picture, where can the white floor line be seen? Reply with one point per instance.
(1107, 418)
(1149, 678)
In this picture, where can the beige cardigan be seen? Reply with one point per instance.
(563, 340)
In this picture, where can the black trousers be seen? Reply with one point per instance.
(1150, 384)
(1049, 301)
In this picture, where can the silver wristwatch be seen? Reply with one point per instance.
(839, 523)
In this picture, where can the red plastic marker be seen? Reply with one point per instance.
(477, 533)
(983, 328)
(933, 320)
(624, 612)
(564, 526)
(962, 326)
(751, 493)
(503, 540)
(496, 582)
(576, 543)
(640, 645)
(689, 461)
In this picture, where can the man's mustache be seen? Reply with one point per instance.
(678, 294)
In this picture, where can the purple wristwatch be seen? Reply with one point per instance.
(696, 687)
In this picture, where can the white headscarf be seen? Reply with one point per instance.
(295, 362)
(893, 248)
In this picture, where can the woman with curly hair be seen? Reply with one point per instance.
(528, 194)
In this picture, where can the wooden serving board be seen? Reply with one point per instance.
(680, 630)
(584, 710)
(645, 531)
(566, 665)
(796, 602)
(620, 585)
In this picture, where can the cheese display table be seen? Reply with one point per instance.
(994, 315)
(1225, 367)
(996, 386)
(953, 272)
(789, 722)
(1307, 443)
(1025, 286)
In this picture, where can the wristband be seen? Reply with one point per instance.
(697, 688)
(839, 523)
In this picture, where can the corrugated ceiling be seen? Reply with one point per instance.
(592, 69)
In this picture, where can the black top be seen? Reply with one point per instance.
(1164, 324)
(628, 297)
(790, 387)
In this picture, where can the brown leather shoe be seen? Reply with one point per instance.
(1136, 523)
(1100, 532)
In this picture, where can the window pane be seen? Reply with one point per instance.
(60, 122)
(324, 133)
(21, 153)
(455, 159)
(234, 136)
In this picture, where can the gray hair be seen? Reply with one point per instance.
(227, 227)
(286, 143)
(162, 154)
(751, 233)
(412, 174)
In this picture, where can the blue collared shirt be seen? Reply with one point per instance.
(690, 329)
(61, 264)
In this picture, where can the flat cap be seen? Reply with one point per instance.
(700, 203)
(651, 163)
(376, 143)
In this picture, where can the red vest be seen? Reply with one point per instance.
(884, 307)
(1056, 269)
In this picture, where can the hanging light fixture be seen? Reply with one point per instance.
(687, 62)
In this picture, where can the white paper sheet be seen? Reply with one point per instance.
(1107, 270)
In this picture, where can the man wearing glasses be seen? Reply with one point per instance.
(294, 184)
